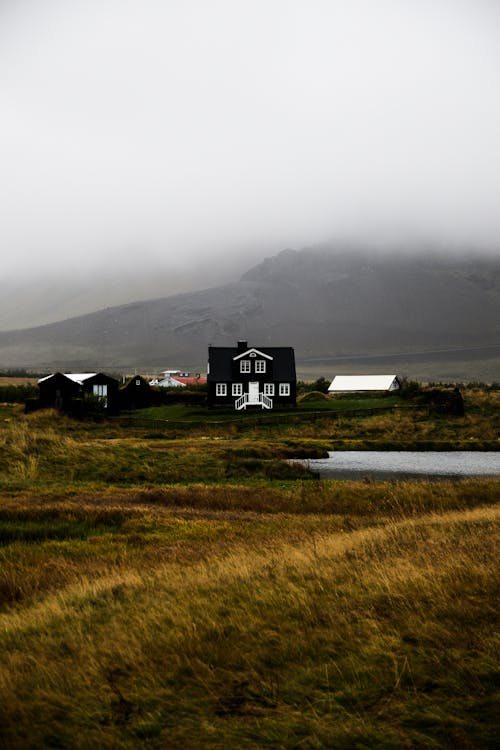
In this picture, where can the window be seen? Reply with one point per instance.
(237, 389)
(101, 392)
(245, 365)
(284, 389)
(221, 389)
(260, 365)
(137, 382)
(268, 389)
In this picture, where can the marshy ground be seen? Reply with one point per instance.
(191, 590)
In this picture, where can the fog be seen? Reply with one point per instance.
(184, 134)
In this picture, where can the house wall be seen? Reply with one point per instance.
(112, 385)
(235, 376)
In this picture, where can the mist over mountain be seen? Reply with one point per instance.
(34, 299)
(328, 303)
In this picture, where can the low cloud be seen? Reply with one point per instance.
(182, 134)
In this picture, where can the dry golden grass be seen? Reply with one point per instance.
(6, 380)
(256, 630)
(169, 593)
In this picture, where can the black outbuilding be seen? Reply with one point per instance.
(136, 393)
(82, 391)
(57, 391)
(242, 376)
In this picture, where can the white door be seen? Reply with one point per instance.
(253, 393)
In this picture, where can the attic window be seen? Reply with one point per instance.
(137, 382)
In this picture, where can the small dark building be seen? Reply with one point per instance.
(57, 391)
(86, 389)
(136, 393)
(240, 376)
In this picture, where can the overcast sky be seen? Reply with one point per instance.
(177, 130)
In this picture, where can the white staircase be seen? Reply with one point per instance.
(264, 402)
(241, 402)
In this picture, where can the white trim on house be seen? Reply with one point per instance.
(284, 389)
(260, 366)
(252, 353)
(268, 389)
(237, 389)
(245, 366)
(221, 389)
(352, 383)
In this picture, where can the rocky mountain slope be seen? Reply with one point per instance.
(325, 303)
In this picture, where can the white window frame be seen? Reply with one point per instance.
(260, 366)
(268, 389)
(284, 389)
(221, 389)
(237, 389)
(245, 365)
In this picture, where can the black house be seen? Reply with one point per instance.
(57, 391)
(240, 376)
(64, 391)
(136, 393)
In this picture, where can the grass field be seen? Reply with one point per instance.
(188, 589)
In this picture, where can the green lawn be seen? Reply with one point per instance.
(181, 412)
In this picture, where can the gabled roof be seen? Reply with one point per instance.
(77, 377)
(132, 382)
(170, 382)
(80, 377)
(47, 377)
(221, 361)
(343, 383)
(191, 380)
(252, 353)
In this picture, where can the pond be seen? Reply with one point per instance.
(405, 464)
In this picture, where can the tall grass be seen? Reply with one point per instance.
(192, 591)
(377, 637)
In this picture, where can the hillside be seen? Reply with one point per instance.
(326, 304)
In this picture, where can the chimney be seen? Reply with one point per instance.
(242, 347)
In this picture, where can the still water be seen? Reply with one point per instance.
(401, 464)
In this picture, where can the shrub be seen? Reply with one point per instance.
(313, 396)
(17, 394)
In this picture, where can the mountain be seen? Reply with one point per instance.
(71, 292)
(326, 303)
